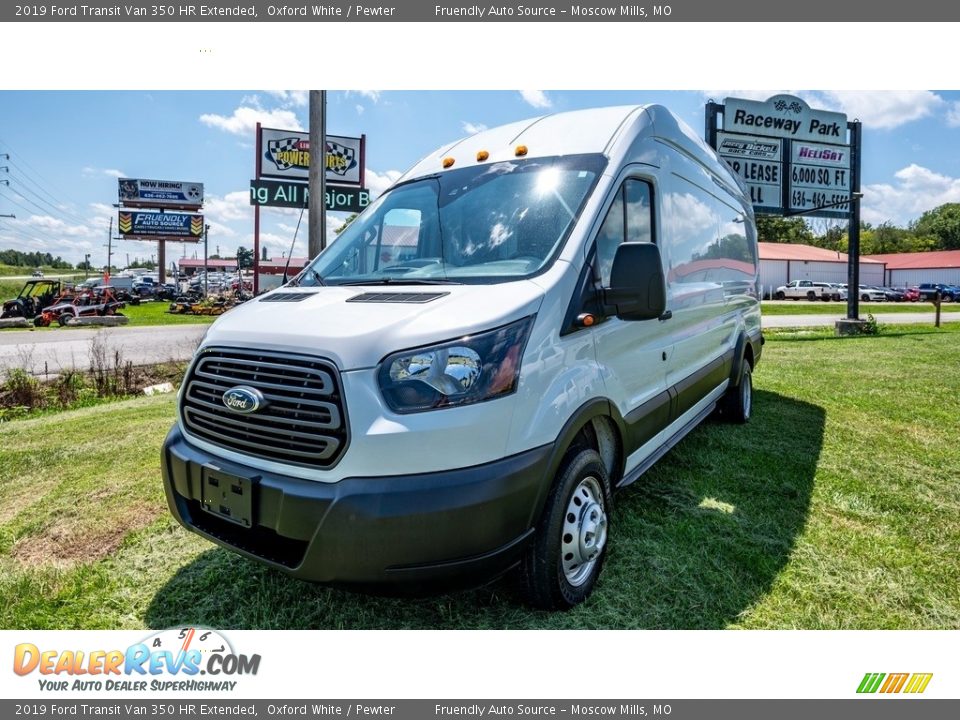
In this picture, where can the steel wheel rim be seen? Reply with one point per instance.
(747, 383)
(584, 532)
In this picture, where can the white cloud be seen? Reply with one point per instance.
(472, 128)
(953, 114)
(371, 95)
(360, 109)
(244, 120)
(916, 190)
(884, 109)
(291, 98)
(378, 182)
(113, 172)
(232, 206)
(88, 171)
(536, 98)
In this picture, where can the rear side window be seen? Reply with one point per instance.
(629, 219)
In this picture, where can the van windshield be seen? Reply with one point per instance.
(482, 224)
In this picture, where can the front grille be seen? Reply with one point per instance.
(301, 421)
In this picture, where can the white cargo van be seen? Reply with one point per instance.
(527, 320)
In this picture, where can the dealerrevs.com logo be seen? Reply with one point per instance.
(182, 659)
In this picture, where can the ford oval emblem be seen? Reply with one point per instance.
(243, 399)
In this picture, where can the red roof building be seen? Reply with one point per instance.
(903, 269)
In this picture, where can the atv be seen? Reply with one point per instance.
(35, 295)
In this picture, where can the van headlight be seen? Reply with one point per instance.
(469, 370)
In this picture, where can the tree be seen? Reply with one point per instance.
(942, 223)
(244, 257)
(783, 230)
(350, 219)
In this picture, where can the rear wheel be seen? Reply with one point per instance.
(566, 556)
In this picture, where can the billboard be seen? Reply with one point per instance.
(138, 225)
(137, 192)
(285, 155)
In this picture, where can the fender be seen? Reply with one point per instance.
(597, 407)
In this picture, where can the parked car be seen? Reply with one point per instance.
(800, 289)
(37, 273)
(430, 421)
(910, 294)
(929, 290)
(892, 294)
(869, 294)
(837, 292)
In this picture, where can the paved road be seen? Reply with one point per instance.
(782, 321)
(53, 351)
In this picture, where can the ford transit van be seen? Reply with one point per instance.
(525, 322)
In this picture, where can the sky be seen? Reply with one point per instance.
(67, 148)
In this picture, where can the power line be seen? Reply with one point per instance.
(64, 214)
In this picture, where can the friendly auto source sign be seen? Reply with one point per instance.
(136, 192)
(274, 193)
(285, 154)
(156, 225)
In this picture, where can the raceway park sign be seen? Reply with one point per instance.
(156, 225)
(285, 154)
(784, 116)
(136, 192)
(274, 193)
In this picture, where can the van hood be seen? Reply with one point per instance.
(357, 326)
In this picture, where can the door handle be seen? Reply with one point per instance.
(666, 315)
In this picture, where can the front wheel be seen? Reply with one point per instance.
(737, 404)
(779, 296)
(566, 556)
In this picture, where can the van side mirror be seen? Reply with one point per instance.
(637, 287)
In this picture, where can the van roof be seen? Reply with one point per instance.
(595, 130)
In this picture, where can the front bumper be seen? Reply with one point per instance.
(411, 532)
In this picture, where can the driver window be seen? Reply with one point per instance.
(399, 239)
(630, 219)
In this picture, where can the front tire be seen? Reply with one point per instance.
(562, 564)
(737, 404)
(779, 296)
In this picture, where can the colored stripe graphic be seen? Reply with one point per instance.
(126, 222)
(894, 683)
(918, 683)
(870, 682)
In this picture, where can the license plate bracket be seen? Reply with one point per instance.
(228, 497)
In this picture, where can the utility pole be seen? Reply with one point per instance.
(317, 185)
(110, 247)
(206, 270)
(86, 266)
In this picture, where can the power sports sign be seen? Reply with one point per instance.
(794, 160)
(285, 155)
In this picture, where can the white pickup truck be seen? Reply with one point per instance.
(798, 289)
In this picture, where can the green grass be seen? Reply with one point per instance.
(19, 271)
(839, 309)
(155, 313)
(837, 507)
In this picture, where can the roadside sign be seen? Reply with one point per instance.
(174, 194)
(793, 159)
(160, 226)
(819, 175)
(758, 161)
(285, 154)
(277, 193)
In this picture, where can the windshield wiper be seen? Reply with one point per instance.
(401, 281)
